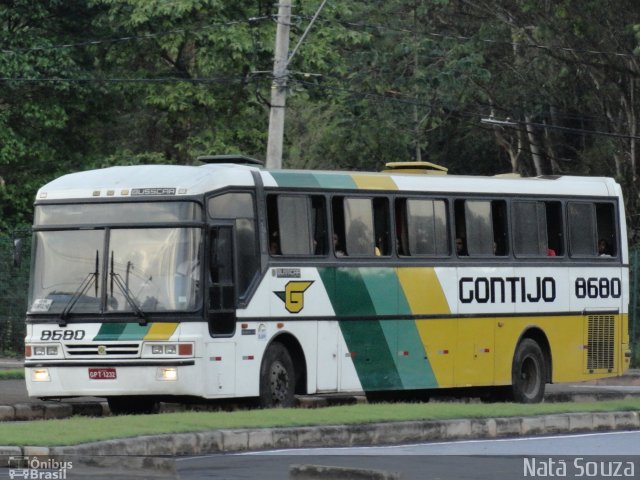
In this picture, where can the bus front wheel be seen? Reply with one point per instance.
(528, 374)
(277, 378)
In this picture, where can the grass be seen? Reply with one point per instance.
(12, 374)
(78, 430)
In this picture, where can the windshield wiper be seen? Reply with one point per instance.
(82, 288)
(124, 288)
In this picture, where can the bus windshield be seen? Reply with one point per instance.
(143, 270)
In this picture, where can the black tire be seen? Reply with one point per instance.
(277, 378)
(528, 373)
(129, 405)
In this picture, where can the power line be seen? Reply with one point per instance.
(513, 124)
(254, 20)
(506, 124)
(249, 21)
(200, 80)
(483, 40)
(395, 97)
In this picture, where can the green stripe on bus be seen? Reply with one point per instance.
(122, 331)
(370, 354)
(333, 180)
(110, 331)
(402, 336)
(365, 339)
(134, 331)
(295, 179)
(313, 180)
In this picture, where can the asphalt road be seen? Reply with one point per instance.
(15, 391)
(475, 459)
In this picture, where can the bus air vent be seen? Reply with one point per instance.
(600, 346)
(415, 167)
(237, 159)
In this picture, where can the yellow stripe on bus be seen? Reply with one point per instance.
(423, 291)
(425, 297)
(374, 182)
(161, 331)
(478, 351)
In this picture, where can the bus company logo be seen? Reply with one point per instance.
(38, 468)
(293, 295)
(140, 192)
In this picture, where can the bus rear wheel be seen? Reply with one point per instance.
(528, 374)
(277, 378)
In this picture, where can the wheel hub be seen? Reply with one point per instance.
(279, 382)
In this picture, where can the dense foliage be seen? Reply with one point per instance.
(90, 83)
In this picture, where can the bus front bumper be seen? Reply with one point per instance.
(87, 379)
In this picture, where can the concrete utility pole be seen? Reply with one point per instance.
(279, 87)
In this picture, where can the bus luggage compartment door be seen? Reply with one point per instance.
(221, 369)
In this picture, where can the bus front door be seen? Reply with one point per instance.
(222, 288)
(221, 351)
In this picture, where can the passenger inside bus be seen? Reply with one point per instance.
(603, 248)
(274, 243)
(337, 246)
(461, 247)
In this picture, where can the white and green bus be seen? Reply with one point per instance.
(227, 280)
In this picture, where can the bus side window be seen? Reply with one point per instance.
(426, 227)
(361, 226)
(500, 238)
(239, 207)
(401, 226)
(461, 231)
(358, 224)
(537, 228)
(485, 225)
(272, 225)
(582, 229)
(337, 214)
(555, 236)
(606, 228)
(381, 226)
(222, 295)
(319, 225)
(296, 224)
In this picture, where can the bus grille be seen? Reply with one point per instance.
(102, 350)
(600, 353)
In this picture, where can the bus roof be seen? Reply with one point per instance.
(175, 180)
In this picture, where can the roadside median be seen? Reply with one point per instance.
(155, 451)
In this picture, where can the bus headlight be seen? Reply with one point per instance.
(40, 375)
(42, 351)
(151, 350)
(167, 373)
(157, 349)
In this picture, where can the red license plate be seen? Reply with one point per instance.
(102, 373)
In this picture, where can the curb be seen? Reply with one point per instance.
(49, 411)
(319, 472)
(155, 452)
